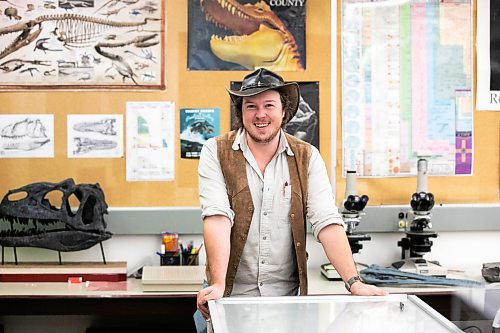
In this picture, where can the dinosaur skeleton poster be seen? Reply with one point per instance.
(95, 135)
(26, 135)
(247, 34)
(82, 44)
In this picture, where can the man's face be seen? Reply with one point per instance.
(262, 116)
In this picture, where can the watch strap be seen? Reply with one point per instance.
(351, 281)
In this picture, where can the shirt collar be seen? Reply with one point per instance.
(240, 142)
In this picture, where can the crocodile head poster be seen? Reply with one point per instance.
(247, 34)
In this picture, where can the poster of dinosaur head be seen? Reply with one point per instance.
(246, 35)
(112, 44)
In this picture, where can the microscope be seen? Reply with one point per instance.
(416, 223)
(351, 211)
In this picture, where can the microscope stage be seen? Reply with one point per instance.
(420, 266)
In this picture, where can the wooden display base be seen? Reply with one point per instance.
(66, 272)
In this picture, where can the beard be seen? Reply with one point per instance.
(263, 139)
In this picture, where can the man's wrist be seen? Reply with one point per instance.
(351, 281)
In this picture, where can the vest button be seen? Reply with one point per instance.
(249, 209)
(298, 244)
(235, 266)
(292, 215)
(243, 238)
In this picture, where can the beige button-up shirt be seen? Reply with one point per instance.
(267, 266)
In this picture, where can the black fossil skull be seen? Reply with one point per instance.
(34, 221)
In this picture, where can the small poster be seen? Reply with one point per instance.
(150, 141)
(95, 135)
(246, 35)
(305, 124)
(26, 135)
(197, 126)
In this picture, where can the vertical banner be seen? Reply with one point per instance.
(246, 35)
(488, 55)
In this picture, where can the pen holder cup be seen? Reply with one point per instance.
(170, 259)
(190, 260)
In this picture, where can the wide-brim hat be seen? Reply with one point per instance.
(263, 80)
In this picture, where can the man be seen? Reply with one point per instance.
(258, 186)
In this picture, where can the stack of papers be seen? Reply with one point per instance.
(173, 278)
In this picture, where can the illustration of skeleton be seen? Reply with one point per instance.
(83, 42)
(84, 145)
(91, 136)
(105, 126)
(28, 134)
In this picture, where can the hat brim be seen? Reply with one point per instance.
(289, 90)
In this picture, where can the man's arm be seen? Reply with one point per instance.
(216, 234)
(217, 222)
(337, 249)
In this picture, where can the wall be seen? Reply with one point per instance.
(188, 89)
(465, 251)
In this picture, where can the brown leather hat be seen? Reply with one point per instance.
(262, 80)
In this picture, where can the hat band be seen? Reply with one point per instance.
(259, 85)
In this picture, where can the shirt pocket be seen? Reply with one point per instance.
(284, 206)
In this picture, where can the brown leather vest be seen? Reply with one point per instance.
(233, 168)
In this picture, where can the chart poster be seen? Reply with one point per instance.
(407, 87)
(150, 141)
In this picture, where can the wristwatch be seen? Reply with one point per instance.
(351, 281)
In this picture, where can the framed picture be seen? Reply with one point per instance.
(82, 44)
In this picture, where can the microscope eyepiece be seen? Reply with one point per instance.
(355, 202)
(422, 201)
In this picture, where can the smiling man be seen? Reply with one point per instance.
(258, 188)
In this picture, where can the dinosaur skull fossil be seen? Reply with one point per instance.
(47, 226)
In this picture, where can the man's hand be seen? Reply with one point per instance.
(207, 294)
(361, 289)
